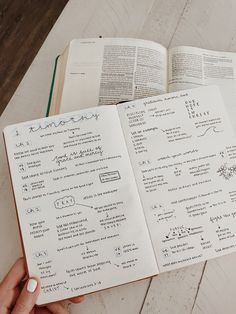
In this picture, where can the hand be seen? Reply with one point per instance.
(15, 300)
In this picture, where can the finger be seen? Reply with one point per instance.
(15, 275)
(77, 299)
(42, 310)
(8, 297)
(9, 287)
(12, 295)
(27, 298)
(57, 308)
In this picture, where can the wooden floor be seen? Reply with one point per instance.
(24, 25)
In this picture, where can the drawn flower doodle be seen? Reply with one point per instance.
(227, 172)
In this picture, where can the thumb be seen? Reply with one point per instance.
(27, 298)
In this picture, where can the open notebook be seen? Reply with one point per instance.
(113, 194)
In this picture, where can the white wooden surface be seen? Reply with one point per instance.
(207, 288)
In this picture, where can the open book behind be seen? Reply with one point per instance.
(113, 194)
(109, 70)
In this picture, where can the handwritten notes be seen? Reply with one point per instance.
(79, 210)
(90, 184)
(183, 153)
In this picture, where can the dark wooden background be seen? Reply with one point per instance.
(24, 25)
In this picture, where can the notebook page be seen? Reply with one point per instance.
(183, 152)
(80, 215)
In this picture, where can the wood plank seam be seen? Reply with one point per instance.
(149, 12)
(198, 287)
(179, 20)
(144, 298)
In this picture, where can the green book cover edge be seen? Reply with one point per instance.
(52, 86)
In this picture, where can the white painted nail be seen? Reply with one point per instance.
(32, 285)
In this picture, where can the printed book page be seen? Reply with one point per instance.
(80, 215)
(114, 69)
(191, 67)
(183, 152)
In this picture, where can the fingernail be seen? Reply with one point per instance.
(32, 285)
